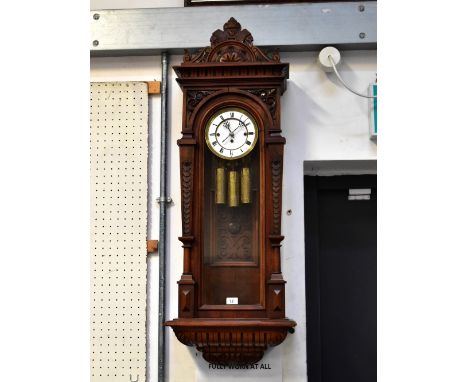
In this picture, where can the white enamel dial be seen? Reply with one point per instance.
(231, 133)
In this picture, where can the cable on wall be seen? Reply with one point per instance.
(329, 57)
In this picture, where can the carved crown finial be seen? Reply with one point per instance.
(232, 26)
(232, 44)
(233, 31)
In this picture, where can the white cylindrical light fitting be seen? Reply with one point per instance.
(325, 61)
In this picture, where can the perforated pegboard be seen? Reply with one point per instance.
(119, 149)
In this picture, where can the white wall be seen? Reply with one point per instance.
(320, 120)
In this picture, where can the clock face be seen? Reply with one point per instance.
(231, 133)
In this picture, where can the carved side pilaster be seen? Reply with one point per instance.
(187, 299)
(186, 296)
(275, 296)
(187, 186)
(276, 177)
(275, 288)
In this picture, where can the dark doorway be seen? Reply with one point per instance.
(341, 278)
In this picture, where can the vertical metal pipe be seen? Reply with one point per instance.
(162, 221)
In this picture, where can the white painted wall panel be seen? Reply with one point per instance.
(118, 138)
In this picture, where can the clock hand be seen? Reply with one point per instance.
(227, 125)
(240, 122)
(231, 134)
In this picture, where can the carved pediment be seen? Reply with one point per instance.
(232, 44)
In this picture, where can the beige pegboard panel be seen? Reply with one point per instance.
(119, 149)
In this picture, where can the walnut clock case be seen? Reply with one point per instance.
(231, 292)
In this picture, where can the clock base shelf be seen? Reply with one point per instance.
(231, 341)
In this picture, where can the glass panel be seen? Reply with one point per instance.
(231, 232)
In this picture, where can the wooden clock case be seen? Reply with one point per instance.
(232, 72)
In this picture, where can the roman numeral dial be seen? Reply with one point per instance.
(231, 133)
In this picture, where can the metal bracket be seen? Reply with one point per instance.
(162, 199)
(151, 246)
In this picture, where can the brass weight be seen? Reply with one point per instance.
(245, 185)
(220, 185)
(233, 187)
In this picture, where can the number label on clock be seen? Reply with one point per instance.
(231, 134)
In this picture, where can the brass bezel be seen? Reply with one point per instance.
(239, 110)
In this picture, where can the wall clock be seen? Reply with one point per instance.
(231, 292)
(231, 133)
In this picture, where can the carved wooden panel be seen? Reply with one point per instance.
(268, 96)
(276, 167)
(194, 97)
(186, 296)
(232, 342)
(234, 238)
(277, 299)
(187, 182)
(231, 45)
